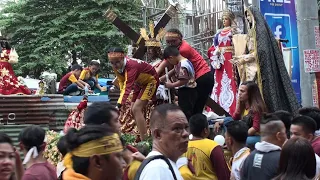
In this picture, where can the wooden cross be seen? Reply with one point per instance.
(136, 37)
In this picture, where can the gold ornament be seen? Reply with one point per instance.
(154, 41)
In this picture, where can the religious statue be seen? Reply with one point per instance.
(153, 44)
(75, 118)
(245, 52)
(42, 88)
(264, 60)
(9, 83)
(225, 87)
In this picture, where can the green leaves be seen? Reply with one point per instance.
(43, 32)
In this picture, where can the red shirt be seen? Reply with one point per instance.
(255, 118)
(66, 80)
(199, 64)
(316, 145)
(40, 171)
(135, 72)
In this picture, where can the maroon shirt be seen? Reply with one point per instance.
(316, 145)
(66, 80)
(255, 118)
(219, 163)
(40, 171)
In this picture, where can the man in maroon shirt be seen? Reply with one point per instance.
(304, 126)
(69, 83)
(136, 75)
(203, 74)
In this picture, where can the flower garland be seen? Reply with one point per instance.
(51, 152)
(131, 139)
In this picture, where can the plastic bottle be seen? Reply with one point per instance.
(86, 90)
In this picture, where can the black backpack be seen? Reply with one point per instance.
(147, 160)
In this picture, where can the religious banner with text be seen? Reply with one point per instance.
(317, 36)
(311, 59)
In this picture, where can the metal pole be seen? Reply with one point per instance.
(307, 19)
(144, 12)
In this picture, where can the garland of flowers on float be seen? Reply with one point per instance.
(51, 152)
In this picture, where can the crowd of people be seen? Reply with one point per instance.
(180, 149)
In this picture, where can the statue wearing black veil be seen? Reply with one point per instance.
(264, 63)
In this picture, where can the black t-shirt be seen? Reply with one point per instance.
(261, 165)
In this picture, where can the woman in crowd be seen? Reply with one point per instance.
(10, 162)
(249, 109)
(95, 153)
(297, 160)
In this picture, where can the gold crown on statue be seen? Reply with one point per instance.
(229, 14)
(154, 41)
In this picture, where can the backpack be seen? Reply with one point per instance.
(147, 160)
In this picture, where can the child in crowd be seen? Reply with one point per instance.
(69, 83)
(90, 76)
(185, 75)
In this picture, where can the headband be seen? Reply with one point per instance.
(103, 146)
(172, 35)
(115, 55)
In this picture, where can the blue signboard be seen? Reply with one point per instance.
(281, 17)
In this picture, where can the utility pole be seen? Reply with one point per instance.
(307, 19)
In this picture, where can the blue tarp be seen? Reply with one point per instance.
(103, 81)
(77, 99)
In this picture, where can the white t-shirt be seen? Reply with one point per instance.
(237, 162)
(158, 169)
(317, 165)
(60, 168)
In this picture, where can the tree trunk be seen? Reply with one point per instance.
(74, 57)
